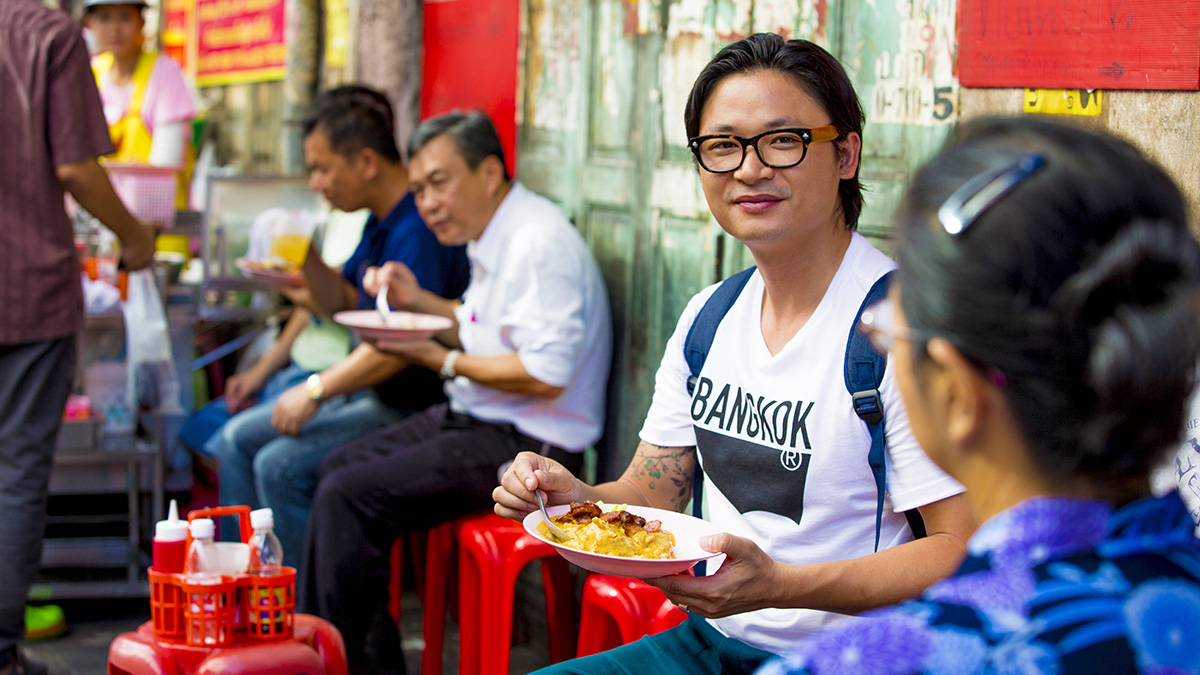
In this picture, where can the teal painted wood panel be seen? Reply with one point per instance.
(900, 55)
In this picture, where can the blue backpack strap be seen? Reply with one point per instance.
(864, 373)
(704, 328)
(695, 351)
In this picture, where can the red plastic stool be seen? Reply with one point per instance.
(618, 610)
(315, 648)
(433, 581)
(492, 553)
(439, 560)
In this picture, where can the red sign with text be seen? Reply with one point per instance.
(176, 29)
(1069, 44)
(239, 41)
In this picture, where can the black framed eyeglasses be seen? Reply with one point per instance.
(977, 195)
(777, 148)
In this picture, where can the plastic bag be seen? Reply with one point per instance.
(152, 382)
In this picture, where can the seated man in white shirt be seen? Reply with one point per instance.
(526, 364)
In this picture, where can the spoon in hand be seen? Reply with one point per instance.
(381, 303)
(554, 529)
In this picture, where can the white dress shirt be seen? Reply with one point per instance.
(536, 290)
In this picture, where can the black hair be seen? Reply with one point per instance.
(816, 71)
(474, 136)
(1079, 286)
(355, 117)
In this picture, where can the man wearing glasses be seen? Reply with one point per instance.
(775, 127)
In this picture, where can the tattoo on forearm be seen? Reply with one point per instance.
(667, 470)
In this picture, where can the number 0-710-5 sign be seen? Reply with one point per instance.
(920, 103)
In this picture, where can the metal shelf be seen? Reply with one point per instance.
(89, 552)
(88, 590)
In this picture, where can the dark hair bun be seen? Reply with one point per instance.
(1132, 310)
(1079, 284)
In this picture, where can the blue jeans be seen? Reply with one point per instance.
(201, 430)
(262, 468)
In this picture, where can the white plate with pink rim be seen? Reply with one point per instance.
(369, 324)
(265, 271)
(687, 531)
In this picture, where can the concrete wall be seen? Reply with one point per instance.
(388, 55)
(1164, 124)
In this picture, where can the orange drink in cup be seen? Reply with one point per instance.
(291, 236)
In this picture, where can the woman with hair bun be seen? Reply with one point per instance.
(1043, 334)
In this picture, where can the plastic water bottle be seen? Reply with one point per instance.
(266, 553)
(203, 562)
(266, 558)
(202, 566)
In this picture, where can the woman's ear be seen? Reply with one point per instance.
(965, 393)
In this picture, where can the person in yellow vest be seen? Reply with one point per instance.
(146, 102)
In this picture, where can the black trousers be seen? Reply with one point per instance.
(429, 468)
(35, 379)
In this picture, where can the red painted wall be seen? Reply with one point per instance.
(471, 62)
(1069, 44)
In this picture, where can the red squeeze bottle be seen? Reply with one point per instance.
(170, 542)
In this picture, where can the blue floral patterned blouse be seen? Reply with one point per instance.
(1052, 585)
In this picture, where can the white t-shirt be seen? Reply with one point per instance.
(784, 454)
(536, 290)
(1182, 470)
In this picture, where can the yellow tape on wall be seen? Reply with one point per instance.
(1064, 101)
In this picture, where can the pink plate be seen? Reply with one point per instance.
(368, 323)
(271, 275)
(687, 531)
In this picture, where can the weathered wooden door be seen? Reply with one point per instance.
(590, 137)
(603, 85)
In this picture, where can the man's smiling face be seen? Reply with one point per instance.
(756, 203)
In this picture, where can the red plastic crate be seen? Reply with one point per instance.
(262, 607)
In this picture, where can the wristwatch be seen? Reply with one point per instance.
(447, 372)
(316, 390)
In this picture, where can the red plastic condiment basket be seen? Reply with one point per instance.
(262, 607)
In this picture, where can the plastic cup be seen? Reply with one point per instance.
(291, 236)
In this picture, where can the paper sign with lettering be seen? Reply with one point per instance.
(1064, 101)
(1058, 44)
(239, 41)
